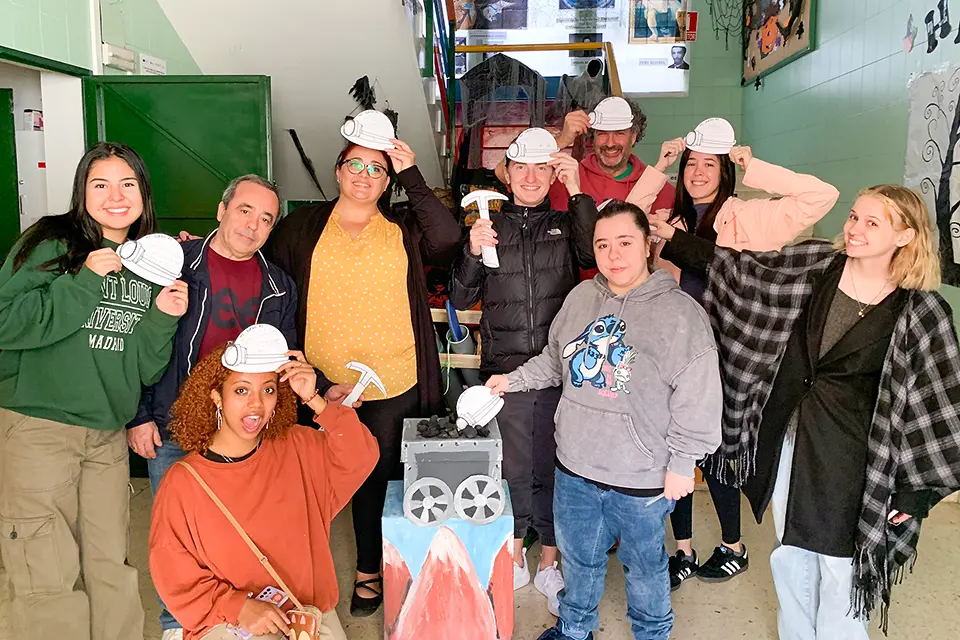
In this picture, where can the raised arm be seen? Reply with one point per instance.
(803, 201)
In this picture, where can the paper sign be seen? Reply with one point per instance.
(150, 66)
(692, 19)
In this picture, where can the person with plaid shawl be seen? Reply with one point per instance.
(841, 408)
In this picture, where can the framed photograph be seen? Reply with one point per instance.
(657, 21)
(586, 37)
(588, 4)
(775, 33)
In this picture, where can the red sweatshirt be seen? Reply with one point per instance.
(600, 186)
(284, 496)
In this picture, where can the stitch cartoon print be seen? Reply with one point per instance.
(601, 342)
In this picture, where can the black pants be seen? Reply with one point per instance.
(384, 419)
(529, 449)
(726, 500)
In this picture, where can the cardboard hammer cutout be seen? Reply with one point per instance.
(367, 376)
(488, 254)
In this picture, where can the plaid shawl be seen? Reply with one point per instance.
(754, 300)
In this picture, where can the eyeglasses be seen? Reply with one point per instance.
(356, 167)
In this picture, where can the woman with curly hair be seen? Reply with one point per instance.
(284, 483)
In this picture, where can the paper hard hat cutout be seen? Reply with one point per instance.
(476, 407)
(156, 257)
(260, 348)
(533, 146)
(612, 114)
(370, 129)
(714, 135)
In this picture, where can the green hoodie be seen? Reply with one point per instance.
(76, 349)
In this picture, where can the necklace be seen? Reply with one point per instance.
(244, 456)
(864, 307)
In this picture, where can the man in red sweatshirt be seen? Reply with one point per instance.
(615, 126)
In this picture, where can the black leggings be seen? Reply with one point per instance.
(384, 419)
(726, 500)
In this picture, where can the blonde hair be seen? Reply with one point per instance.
(915, 265)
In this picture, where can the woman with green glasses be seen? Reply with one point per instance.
(358, 264)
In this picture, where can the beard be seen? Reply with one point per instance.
(620, 163)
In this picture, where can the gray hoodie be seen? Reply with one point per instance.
(641, 382)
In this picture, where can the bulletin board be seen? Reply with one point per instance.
(646, 36)
(775, 33)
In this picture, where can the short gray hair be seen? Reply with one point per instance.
(231, 189)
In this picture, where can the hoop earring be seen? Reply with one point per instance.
(219, 417)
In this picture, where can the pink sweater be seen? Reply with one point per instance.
(763, 224)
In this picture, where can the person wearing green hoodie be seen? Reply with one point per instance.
(79, 335)
(641, 404)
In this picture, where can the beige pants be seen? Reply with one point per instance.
(64, 514)
(330, 629)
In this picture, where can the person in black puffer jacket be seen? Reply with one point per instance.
(540, 252)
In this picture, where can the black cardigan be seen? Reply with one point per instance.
(430, 235)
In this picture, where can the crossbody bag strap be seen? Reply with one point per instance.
(243, 534)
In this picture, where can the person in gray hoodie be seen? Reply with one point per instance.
(641, 404)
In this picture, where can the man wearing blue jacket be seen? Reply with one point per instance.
(231, 286)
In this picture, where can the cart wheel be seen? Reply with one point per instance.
(428, 502)
(479, 500)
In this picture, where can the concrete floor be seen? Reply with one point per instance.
(926, 605)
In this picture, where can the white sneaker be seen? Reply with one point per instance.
(172, 634)
(521, 575)
(549, 582)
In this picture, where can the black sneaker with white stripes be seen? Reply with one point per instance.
(724, 564)
(681, 567)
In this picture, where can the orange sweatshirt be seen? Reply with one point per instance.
(284, 496)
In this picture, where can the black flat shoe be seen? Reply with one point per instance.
(361, 607)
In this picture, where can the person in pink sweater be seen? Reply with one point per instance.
(705, 205)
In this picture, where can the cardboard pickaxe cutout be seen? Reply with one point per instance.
(483, 198)
(367, 376)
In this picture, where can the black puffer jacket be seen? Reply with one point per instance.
(540, 254)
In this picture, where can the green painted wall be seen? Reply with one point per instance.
(55, 29)
(714, 92)
(143, 27)
(841, 111)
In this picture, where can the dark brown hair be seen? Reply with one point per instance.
(683, 203)
(76, 228)
(195, 415)
(618, 207)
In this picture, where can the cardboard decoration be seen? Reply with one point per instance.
(260, 348)
(533, 146)
(156, 257)
(370, 129)
(477, 406)
(713, 135)
(612, 114)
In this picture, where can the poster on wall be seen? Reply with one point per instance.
(490, 14)
(776, 32)
(647, 63)
(657, 21)
(932, 155)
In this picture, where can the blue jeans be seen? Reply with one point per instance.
(588, 520)
(157, 467)
(813, 590)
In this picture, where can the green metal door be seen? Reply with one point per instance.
(195, 133)
(9, 184)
